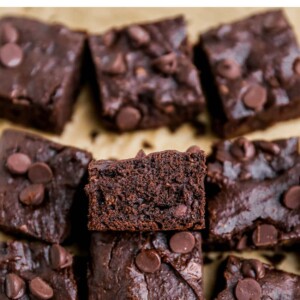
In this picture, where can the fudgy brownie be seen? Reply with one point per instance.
(39, 182)
(36, 271)
(159, 191)
(40, 68)
(253, 193)
(145, 266)
(250, 279)
(145, 75)
(252, 73)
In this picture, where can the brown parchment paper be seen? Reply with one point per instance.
(85, 122)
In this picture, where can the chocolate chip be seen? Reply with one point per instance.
(180, 210)
(242, 244)
(255, 97)
(18, 163)
(229, 69)
(140, 154)
(265, 235)
(139, 35)
(253, 268)
(291, 198)
(32, 194)
(11, 55)
(40, 289)
(128, 118)
(40, 173)
(60, 258)
(108, 38)
(148, 261)
(296, 66)
(242, 149)
(269, 147)
(167, 64)
(248, 289)
(15, 286)
(193, 149)
(182, 242)
(113, 64)
(9, 34)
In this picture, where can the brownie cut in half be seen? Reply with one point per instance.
(145, 75)
(159, 191)
(252, 279)
(39, 182)
(156, 266)
(40, 69)
(252, 73)
(36, 271)
(253, 193)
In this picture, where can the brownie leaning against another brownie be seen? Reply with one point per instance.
(159, 191)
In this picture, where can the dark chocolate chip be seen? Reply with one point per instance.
(248, 289)
(128, 118)
(265, 235)
(60, 258)
(296, 66)
(180, 210)
(291, 198)
(242, 244)
(253, 268)
(182, 242)
(33, 194)
(9, 34)
(193, 149)
(229, 69)
(269, 147)
(140, 154)
(167, 64)
(18, 163)
(113, 64)
(40, 289)
(242, 149)
(40, 173)
(15, 286)
(148, 261)
(11, 55)
(255, 97)
(139, 35)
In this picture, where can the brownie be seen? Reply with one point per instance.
(159, 191)
(40, 69)
(252, 279)
(145, 75)
(145, 266)
(39, 183)
(252, 73)
(36, 271)
(253, 193)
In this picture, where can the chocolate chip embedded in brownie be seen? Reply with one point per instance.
(36, 271)
(39, 181)
(252, 73)
(159, 191)
(40, 70)
(146, 266)
(145, 75)
(251, 279)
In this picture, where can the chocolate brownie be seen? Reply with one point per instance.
(159, 191)
(36, 271)
(145, 266)
(253, 193)
(252, 73)
(39, 182)
(145, 75)
(250, 279)
(40, 68)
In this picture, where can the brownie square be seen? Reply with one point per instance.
(252, 73)
(39, 184)
(157, 266)
(145, 75)
(36, 271)
(253, 193)
(159, 191)
(40, 70)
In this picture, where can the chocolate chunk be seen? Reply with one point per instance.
(166, 64)
(113, 64)
(40, 173)
(248, 289)
(291, 198)
(148, 261)
(15, 286)
(265, 235)
(40, 289)
(32, 195)
(296, 66)
(242, 149)
(253, 268)
(182, 242)
(128, 118)
(11, 55)
(229, 69)
(60, 258)
(139, 35)
(9, 34)
(193, 149)
(255, 97)
(269, 147)
(180, 210)
(18, 163)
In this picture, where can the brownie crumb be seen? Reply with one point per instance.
(147, 145)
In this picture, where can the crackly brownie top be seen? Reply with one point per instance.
(36, 271)
(256, 63)
(142, 64)
(252, 279)
(31, 50)
(146, 266)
